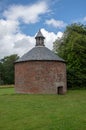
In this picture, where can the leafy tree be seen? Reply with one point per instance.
(1, 73)
(7, 69)
(72, 47)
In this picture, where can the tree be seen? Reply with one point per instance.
(7, 69)
(72, 48)
(1, 73)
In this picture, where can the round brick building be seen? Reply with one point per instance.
(40, 71)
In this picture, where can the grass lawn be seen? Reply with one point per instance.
(42, 112)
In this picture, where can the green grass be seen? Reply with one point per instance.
(42, 112)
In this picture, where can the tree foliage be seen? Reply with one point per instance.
(7, 69)
(72, 47)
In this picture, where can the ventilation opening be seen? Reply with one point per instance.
(60, 90)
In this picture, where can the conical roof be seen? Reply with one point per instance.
(39, 34)
(40, 52)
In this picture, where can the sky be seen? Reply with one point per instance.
(20, 21)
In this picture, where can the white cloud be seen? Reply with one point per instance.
(8, 27)
(50, 37)
(12, 40)
(55, 23)
(28, 14)
(23, 43)
(17, 43)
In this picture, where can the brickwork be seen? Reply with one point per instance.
(40, 77)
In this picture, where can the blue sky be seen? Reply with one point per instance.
(20, 20)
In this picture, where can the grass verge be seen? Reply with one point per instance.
(42, 112)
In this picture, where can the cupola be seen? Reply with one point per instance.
(39, 39)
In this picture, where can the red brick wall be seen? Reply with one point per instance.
(40, 77)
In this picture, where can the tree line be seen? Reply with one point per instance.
(72, 48)
(7, 69)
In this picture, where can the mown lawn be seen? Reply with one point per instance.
(42, 112)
